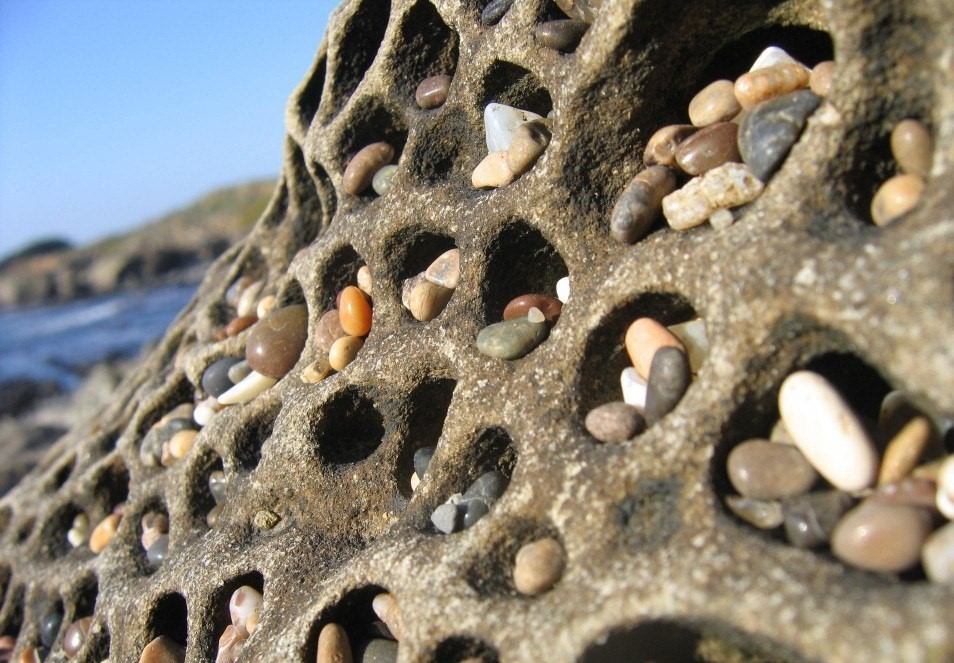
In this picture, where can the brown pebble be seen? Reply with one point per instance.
(154, 525)
(316, 371)
(219, 334)
(492, 172)
(238, 325)
(708, 148)
(615, 422)
(354, 312)
(905, 449)
(909, 491)
(895, 197)
(538, 566)
(530, 139)
(762, 84)
(638, 207)
(819, 81)
(432, 92)
(881, 537)
(29, 655)
(104, 532)
(276, 341)
(329, 329)
(643, 338)
(519, 307)
(562, 35)
(662, 146)
(344, 351)
(363, 165)
(75, 636)
(763, 470)
(333, 645)
(181, 442)
(425, 300)
(714, 103)
(386, 607)
(445, 270)
(810, 518)
(913, 147)
(163, 650)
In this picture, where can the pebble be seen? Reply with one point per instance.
(75, 636)
(757, 86)
(634, 387)
(386, 607)
(530, 140)
(511, 339)
(158, 551)
(344, 351)
(31, 655)
(231, 643)
(811, 518)
(276, 342)
(615, 422)
(536, 315)
(905, 449)
(248, 301)
(333, 645)
(881, 537)
(79, 531)
(474, 510)
(762, 470)
(909, 491)
(780, 434)
(265, 306)
(163, 650)
(488, 486)
(234, 291)
(446, 518)
(769, 131)
(538, 566)
(363, 165)
(205, 410)
(445, 270)
(520, 306)
(562, 35)
(493, 172)
(726, 186)
(432, 91)
(714, 103)
(153, 525)
(820, 80)
(329, 329)
(826, 430)
(662, 146)
(104, 532)
(181, 442)
(238, 325)
(354, 312)
(494, 11)
(212, 516)
(640, 203)
(721, 219)
(669, 378)
(500, 123)
(381, 182)
(708, 148)
(912, 147)
(895, 197)
(238, 371)
(937, 555)
(422, 460)
(50, 628)
(215, 379)
(563, 289)
(245, 603)
(415, 481)
(760, 513)
(585, 10)
(643, 338)
(945, 488)
(218, 484)
(377, 650)
(424, 299)
(316, 371)
(247, 389)
(694, 339)
(365, 283)
(771, 56)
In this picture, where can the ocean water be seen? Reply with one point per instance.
(58, 342)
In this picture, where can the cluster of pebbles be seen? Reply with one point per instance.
(79, 533)
(912, 147)
(425, 295)
(740, 133)
(341, 331)
(155, 536)
(562, 35)
(462, 510)
(526, 324)
(516, 139)
(74, 638)
(880, 495)
(378, 642)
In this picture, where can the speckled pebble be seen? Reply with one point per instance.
(529, 142)
(881, 537)
(445, 270)
(709, 148)
(239, 371)
(757, 86)
(328, 329)
(669, 378)
(615, 422)
(759, 513)
(641, 203)
(381, 182)
(511, 339)
(333, 645)
(821, 78)
(727, 186)
(363, 165)
(769, 131)
(276, 341)
(905, 449)
(538, 566)
(562, 35)
(494, 11)
(424, 299)
(811, 518)
(896, 197)
(937, 555)
(912, 147)
(662, 145)
(714, 103)
(163, 650)
(762, 470)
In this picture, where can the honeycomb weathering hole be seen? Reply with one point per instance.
(221, 616)
(53, 541)
(353, 613)
(512, 85)
(308, 99)
(112, 485)
(490, 573)
(246, 445)
(201, 500)
(349, 428)
(429, 404)
(371, 121)
(169, 617)
(152, 524)
(442, 151)
(462, 648)
(60, 475)
(356, 50)
(427, 47)
(336, 273)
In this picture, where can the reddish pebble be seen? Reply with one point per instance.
(551, 307)
(713, 146)
(432, 92)
(277, 340)
(238, 325)
(661, 148)
(163, 650)
(75, 636)
(643, 338)
(363, 165)
(354, 312)
(329, 330)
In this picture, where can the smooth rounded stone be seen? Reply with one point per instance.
(881, 537)
(445, 270)
(415, 481)
(386, 607)
(757, 86)
(158, 551)
(344, 351)
(762, 470)
(538, 566)
(377, 650)
(422, 460)
(714, 103)
(759, 513)
(488, 486)
(329, 329)
(50, 628)
(364, 280)
(615, 422)
(381, 182)
(896, 197)
(181, 442)
(820, 80)
(493, 172)
(33, 655)
(474, 510)
(218, 484)
(771, 56)
(215, 379)
(638, 207)
(723, 187)
(276, 342)
(945, 488)
(669, 378)
(446, 518)
(511, 339)
(909, 491)
(530, 140)
(912, 147)
(354, 312)
(238, 372)
(245, 603)
(662, 146)
(154, 524)
(563, 289)
(231, 643)
(780, 434)
(562, 35)
(234, 291)
(248, 301)
(585, 10)
(265, 306)
(633, 386)
(75, 636)
(163, 650)
(536, 315)
(520, 306)
(769, 131)
(432, 91)
(643, 338)
(316, 371)
(905, 449)
(79, 531)
(425, 300)
(811, 518)
(363, 165)
(694, 339)
(826, 430)
(104, 532)
(333, 645)
(937, 555)
(247, 389)
(708, 148)
(206, 409)
(212, 516)
(494, 11)
(500, 123)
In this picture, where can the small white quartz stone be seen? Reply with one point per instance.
(501, 121)
(563, 289)
(771, 56)
(634, 387)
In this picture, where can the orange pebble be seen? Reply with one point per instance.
(643, 338)
(354, 312)
(104, 533)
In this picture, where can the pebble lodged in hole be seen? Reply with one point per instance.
(912, 147)
(426, 57)
(366, 625)
(525, 558)
(66, 529)
(168, 631)
(84, 637)
(562, 25)
(239, 606)
(58, 477)
(429, 274)
(153, 532)
(349, 428)
(430, 402)
(112, 490)
(374, 145)
(209, 490)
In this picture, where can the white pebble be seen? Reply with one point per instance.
(937, 555)
(381, 181)
(244, 604)
(415, 481)
(721, 219)
(254, 384)
(826, 430)
(248, 300)
(535, 315)
(563, 289)
(693, 336)
(773, 55)
(501, 121)
(203, 412)
(945, 488)
(634, 387)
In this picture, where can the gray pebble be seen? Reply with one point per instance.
(615, 422)
(494, 11)
(811, 518)
(157, 551)
(640, 203)
(377, 650)
(762, 514)
(475, 509)
(488, 486)
(217, 486)
(669, 378)
(422, 459)
(562, 35)
(446, 518)
(150, 449)
(771, 128)
(215, 379)
(50, 628)
(511, 339)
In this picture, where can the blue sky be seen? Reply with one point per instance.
(113, 112)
